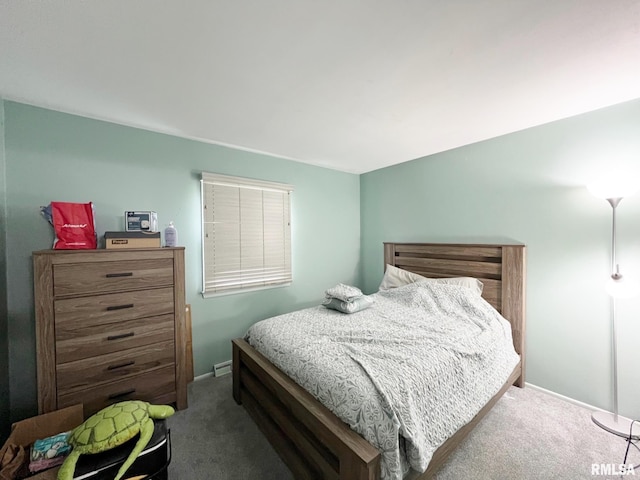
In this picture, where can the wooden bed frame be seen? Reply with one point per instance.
(311, 440)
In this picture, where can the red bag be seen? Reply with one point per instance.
(74, 226)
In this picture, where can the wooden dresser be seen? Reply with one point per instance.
(110, 326)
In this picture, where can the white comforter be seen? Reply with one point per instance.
(405, 374)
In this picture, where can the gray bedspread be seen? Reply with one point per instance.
(405, 374)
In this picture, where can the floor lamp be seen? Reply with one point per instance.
(617, 287)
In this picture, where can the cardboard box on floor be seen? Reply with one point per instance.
(25, 432)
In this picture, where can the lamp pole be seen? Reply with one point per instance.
(612, 422)
(615, 275)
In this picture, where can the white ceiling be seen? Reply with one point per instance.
(353, 85)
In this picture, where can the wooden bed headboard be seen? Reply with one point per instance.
(501, 268)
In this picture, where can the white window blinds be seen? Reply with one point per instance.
(246, 233)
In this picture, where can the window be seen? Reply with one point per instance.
(246, 234)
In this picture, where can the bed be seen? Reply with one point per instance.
(314, 442)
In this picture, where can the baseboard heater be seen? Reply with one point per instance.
(223, 368)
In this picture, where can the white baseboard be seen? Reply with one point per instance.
(203, 376)
(562, 397)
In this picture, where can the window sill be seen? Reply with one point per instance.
(243, 290)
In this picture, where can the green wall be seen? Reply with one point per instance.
(526, 187)
(530, 187)
(4, 345)
(56, 156)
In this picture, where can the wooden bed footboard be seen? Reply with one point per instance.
(309, 438)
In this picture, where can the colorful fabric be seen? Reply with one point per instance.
(50, 447)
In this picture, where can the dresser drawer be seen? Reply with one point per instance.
(157, 386)
(86, 278)
(88, 372)
(77, 341)
(113, 307)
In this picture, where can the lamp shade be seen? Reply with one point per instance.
(610, 186)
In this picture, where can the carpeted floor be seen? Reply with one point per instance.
(527, 435)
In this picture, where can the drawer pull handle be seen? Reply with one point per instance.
(115, 275)
(120, 307)
(122, 394)
(118, 337)
(121, 365)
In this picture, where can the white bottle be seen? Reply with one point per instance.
(170, 236)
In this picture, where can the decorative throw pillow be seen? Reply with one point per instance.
(343, 292)
(352, 306)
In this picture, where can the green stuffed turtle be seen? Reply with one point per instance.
(110, 427)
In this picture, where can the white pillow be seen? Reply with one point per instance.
(353, 306)
(396, 277)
